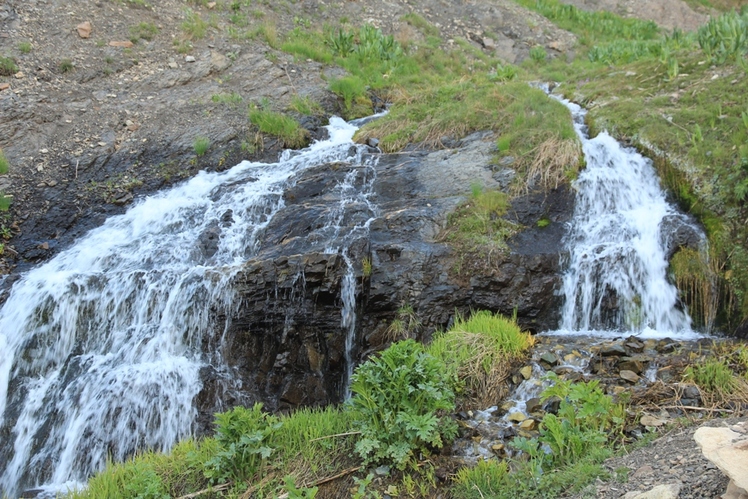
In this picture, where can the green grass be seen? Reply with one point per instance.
(481, 350)
(7, 66)
(201, 146)
(281, 126)
(144, 31)
(66, 66)
(4, 163)
(194, 26)
(25, 47)
(232, 98)
(306, 106)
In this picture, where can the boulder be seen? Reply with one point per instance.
(727, 448)
(664, 491)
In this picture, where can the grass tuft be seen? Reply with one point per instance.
(7, 66)
(201, 146)
(66, 65)
(278, 125)
(482, 350)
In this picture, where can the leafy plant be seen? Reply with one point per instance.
(725, 38)
(399, 401)
(295, 492)
(244, 438)
(201, 145)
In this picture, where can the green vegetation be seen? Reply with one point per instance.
(406, 324)
(7, 66)
(480, 352)
(25, 47)
(144, 31)
(66, 65)
(402, 399)
(4, 200)
(306, 106)
(194, 26)
(565, 457)
(279, 125)
(201, 145)
(422, 24)
(478, 224)
(232, 98)
(721, 376)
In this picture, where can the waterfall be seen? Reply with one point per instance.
(103, 345)
(617, 279)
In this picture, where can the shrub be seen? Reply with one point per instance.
(243, 436)
(399, 402)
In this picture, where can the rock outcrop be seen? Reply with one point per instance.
(727, 448)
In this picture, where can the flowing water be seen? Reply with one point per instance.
(616, 281)
(103, 345)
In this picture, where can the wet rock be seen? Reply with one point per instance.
(552, 405)
(549, 358)
(526, 372)
(533, 405)
(516, 417)
(611, 349)
(528, 425)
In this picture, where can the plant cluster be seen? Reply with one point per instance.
(145, 31)
(401, 401)
(279, 125)
(725, 38)
(7, 66)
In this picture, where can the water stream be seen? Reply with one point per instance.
(103, 345)
(616, 281)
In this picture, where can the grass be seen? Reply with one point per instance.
(279, 125)
(482, 350)
(7, 66)
(305, 105)
(201, 146)
(232, 98)
(419, 22)
(66, 66)
(4, 163)
(143, 31)
(25, 47)
(194, 26)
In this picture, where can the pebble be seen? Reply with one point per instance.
(629, 376)
(189, 58)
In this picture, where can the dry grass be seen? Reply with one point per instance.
(553, 162)
(696, 277)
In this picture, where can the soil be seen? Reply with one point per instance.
(84, 140)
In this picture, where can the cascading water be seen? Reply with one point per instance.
(103, 345)
(617, 274)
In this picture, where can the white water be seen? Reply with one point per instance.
(616, 282)
(102, 346)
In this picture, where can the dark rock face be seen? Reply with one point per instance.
(285, 340)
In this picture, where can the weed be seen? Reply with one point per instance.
(399, 399)
(713, 376)
(243, 436)
(143, 30)
(538, 53)
(725, 38)
(66, 65)
(543, 222)
(182, 46)
(4, 163)
(306, 106)
(341, 43)
(201, 145)
(7, 66)
(25, 47)
(405, 324)
(278, 125)
(194, 26)
(366, 267)
(232, 98)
